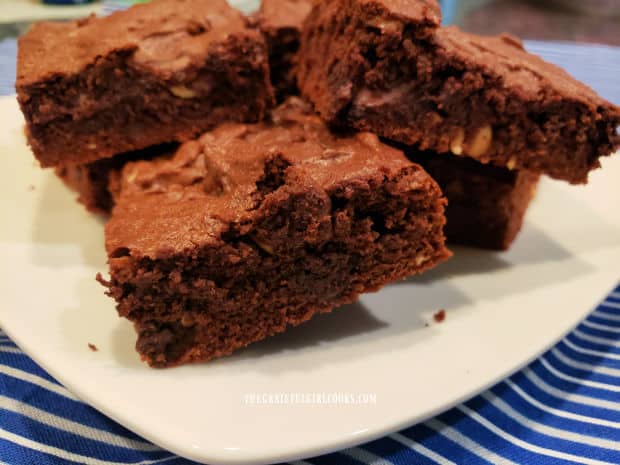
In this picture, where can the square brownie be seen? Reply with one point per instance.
(486, 204)
(281, 22)
(364, 64)
(254, 228)
(159, 72)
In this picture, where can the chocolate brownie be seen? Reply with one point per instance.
(253, 228)
(281, 22)
(158, 72)
(486, 204)
(92, 180)
(482, 97)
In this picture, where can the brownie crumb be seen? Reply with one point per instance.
(92, 347)
(439, 316)
(30, 187)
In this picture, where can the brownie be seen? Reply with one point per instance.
(158, 72)
(486, 203)
(281, 22)
(482, 97)
(253, 228)
(92, 180)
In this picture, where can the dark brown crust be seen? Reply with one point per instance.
(138, 78)
(448, 91)
(313, 220)
(486, 204)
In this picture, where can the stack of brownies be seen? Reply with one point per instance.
(260, 170)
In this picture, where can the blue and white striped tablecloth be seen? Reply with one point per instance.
(562, 409)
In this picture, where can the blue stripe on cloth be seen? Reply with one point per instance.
(75, 443)
(583, 425)
(577, 338)
(18, 361)
(334, 459)
(578, 356)
(611, 337)
(591, 335)
(572, 367)
(559, 400)
(544, 437)
(437, 440)
(599, 392)
(503, 447)
(604, 317)
(28, 456)
(399, 451)
(55, 404)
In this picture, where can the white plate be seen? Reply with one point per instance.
(502, 311)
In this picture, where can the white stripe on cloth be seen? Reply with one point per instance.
(560, 413)
(63, 454)
(594, 353)
(603, 370)
(73, 427)
(507, 410)
(37, 380)
(583, 382)
(611, 304)
(420, 449)
(364, 456)
(576, 398)
(467, 443)
(526, 445)
(605, 316)
(596, 340)
(615, 295)
(10, 350)
(600, 327)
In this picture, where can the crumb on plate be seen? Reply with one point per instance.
(439, 316)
